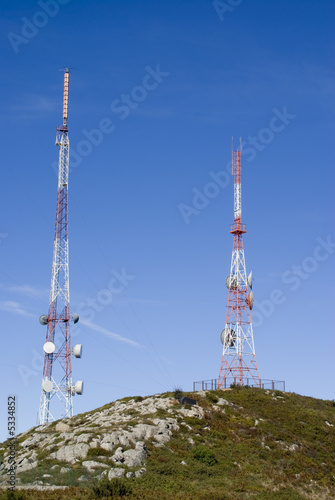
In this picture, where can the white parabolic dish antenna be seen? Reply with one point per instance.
(47, 385)
(49, 347)
(77, 350)
(79, 387)
(250, 280)
(231, 281)
(228, 337)
(250, 300)
(43, 319)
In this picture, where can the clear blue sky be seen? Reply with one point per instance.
(167, 84)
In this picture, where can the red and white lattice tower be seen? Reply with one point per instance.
(238, 359)
(57, 371)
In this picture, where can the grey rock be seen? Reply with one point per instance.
(43, 427)
(34, 439)
(84, 438)
(27, 463)
(95, 443)
(64, 470)
(222, 402)
(201, 393)
(92, 464)
(71, 452)
(130, 475)
(134, 458)
(293, 447)
(82, 479)
(62, 427)
(118, 456)
(141, 471)
(196, 412)
(116, 472)
(109, 441)
(161, 439)
(131, 458)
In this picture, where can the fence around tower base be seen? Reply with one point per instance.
(212, 385)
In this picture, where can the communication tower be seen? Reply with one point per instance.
(238, 358)
(57, 370)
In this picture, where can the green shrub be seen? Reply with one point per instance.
(204, 455)
(13, 495)
(111, 488)
(97, 452)
(212, 397)
(178, 393)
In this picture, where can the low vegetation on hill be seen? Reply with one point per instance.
(243, 443)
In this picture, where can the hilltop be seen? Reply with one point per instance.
(238, 443)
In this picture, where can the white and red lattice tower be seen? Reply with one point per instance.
(238, 363)
(57, 370)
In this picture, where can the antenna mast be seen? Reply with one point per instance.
(238, 358)
(57, 371)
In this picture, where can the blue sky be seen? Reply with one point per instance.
(157, 91)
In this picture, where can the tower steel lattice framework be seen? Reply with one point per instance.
(57, 370)
(238, 358)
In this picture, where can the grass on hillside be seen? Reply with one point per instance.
(266, 445)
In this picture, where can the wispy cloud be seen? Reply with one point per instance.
(108, 333)
(26, 290)
(36, 103)
(14, 308)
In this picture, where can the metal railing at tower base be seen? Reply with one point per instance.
(212, 384)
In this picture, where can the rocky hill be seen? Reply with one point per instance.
(238, 443)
